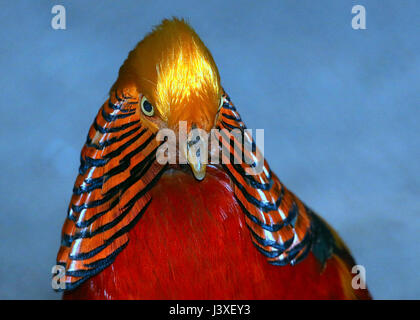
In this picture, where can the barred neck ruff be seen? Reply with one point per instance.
(279, 222)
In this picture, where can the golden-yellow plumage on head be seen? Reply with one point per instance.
(174, 70)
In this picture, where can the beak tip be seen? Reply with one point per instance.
(197, 166)
(199, 175)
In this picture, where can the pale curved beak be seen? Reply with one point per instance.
(194, 160)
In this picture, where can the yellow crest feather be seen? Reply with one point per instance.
(176, 72)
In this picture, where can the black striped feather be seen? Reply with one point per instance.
(278, 221)
(111, 192)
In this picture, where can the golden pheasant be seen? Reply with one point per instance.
(138, 228)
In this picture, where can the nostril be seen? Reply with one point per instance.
(193, 142)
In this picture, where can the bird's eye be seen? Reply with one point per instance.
(147, 107)
(221, 103)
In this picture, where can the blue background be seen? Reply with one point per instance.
(340, 109)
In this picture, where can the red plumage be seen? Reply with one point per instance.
(193, 243)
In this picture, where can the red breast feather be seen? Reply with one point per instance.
(193, 243)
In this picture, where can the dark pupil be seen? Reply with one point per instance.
(147, 106)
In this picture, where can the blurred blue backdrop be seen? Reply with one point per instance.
(340, 109)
